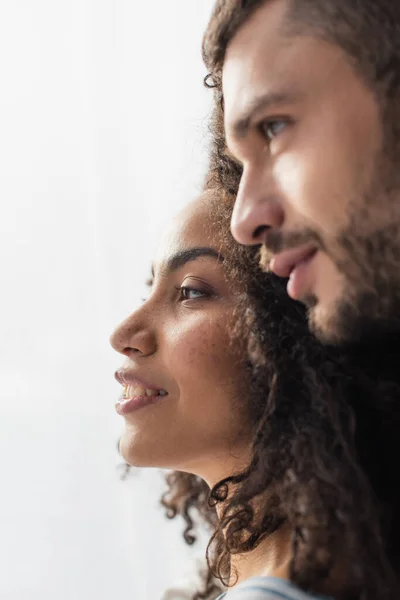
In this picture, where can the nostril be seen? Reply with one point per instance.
(135, 350)
(260, 232)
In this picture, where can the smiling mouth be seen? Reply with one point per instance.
(135, 396)
(137, 391)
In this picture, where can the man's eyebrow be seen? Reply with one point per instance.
(241, 125)
(179, 259)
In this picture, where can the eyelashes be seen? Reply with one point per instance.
(199, 290)
(271, 128)
(185, 292)
(191, 293)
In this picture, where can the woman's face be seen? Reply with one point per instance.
(177, 348)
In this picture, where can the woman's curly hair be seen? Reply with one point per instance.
(326, 438)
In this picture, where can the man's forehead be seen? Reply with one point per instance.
(256, 55)
(265, 28)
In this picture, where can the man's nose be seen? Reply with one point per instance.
(257, 209)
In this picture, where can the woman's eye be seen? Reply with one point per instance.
(188, 293)
(273, 128)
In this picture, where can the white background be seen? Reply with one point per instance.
(103, 131)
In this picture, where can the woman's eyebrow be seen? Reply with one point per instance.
(179, 259)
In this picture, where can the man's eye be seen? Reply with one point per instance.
(188, 293)
(271, 128)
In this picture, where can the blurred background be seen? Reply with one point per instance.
(103, 136)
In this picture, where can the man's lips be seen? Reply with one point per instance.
(285, 262)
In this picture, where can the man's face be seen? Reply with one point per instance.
(315, 189)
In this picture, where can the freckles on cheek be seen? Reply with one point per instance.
(195, 349)
(204, 347)
(187, 347)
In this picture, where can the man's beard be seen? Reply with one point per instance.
(369, 305)
(367, 255)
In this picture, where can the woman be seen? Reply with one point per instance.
(223, 383)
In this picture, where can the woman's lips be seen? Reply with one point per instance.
(126, 376)
(136, 396)
(125, 406)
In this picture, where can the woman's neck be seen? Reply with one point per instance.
(270, 558)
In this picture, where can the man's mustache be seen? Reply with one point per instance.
(276, 241)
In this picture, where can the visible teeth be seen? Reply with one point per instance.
(133, 391)
(137, 390)
(151, 393)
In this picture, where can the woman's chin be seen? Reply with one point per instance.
(137, 453)
(132, 452)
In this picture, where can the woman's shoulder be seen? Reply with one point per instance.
(268, 588)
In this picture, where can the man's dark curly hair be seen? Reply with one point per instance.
(367, 31)
(326, 438)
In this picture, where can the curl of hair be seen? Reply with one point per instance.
(367, 31)
(187, 494)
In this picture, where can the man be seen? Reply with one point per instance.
(311, 97)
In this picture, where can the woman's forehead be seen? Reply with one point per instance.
(191, 228)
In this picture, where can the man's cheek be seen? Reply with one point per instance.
(300, 190)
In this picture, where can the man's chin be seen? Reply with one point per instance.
(340, 323)
(329, 324)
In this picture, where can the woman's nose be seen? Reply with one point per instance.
(133, 336)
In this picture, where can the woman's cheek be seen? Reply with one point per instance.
(204, 347)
